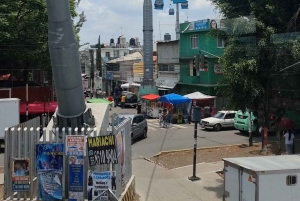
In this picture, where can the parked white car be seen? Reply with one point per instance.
(223, 119)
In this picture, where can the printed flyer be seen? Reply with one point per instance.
(76, 178)
(98, 182)
(102, 150)
(20, 176)
(75, 145)
(49, 164)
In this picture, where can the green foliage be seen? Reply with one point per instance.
(24, 34)
(250, 56)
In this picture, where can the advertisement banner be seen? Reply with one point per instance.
(49, 165)
(75, 145)
(20, 176)
(76, 178)
(102, 150)
(98, 182)
(201, 25)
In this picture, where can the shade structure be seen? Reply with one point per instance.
(99, 100)
(127, 85)
(198, 96)
(150, 97)
(286, 123)
(174, 99)
(38, 107)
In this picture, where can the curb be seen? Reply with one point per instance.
(151, 161)
(201, 148)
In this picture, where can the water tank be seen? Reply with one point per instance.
(112, 40)
(167, 37)
(119, 40)
(132, 42)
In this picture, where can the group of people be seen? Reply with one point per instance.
(165, 118)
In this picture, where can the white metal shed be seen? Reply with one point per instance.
(262, 178)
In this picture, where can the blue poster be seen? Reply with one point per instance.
(201, 25)
(76, 178)
(20, 177)
(49, 165)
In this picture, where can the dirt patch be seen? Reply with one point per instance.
(173, 160)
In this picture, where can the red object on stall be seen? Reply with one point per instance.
(286, 123)
(38, 107)
(150, 97)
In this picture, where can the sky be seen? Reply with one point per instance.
(113, 18)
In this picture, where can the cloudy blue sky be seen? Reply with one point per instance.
(111, 18)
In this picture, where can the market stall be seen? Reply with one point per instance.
(131, 87)
(202, 100)
(178, 105)
(150, 105)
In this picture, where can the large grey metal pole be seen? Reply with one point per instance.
(177, 29)
(148, 42)
(64, 55)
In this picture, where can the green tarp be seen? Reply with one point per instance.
(99, 100)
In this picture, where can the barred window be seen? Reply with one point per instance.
(194, 41)
(291, 180)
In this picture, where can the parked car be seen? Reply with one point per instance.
(241, 122)
(223, 119)
(131, 99)
(139, 125)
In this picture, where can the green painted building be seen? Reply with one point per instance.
(194, 39)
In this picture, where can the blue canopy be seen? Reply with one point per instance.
(174, 99)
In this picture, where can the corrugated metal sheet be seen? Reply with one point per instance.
(267, 163)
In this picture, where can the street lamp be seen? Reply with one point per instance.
(196, 117)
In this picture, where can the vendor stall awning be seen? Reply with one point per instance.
(174, 99)
(38, 107)
(166, 83)
(150, 97)
(198, 96)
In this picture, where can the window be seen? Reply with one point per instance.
(291, 180)
(220, 43)
(107, 54)
(194, 41)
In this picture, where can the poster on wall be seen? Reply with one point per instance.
(75, 145)
(98, 182)
(20, 174)
(218, 69)
(76, 178)
(49, 166)
(102, 150)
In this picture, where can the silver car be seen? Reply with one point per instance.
(139, 125)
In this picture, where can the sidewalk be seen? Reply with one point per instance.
(154, 183)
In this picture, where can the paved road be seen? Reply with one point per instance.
(179, 136)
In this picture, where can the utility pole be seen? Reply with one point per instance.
(99, 58)
(92, 71)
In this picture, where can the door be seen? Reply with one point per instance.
(231, 181)
(135, 128)
(229, 120)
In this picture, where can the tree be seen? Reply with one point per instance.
(24, 35)
(251, 57)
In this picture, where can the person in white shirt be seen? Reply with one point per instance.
(289, 140)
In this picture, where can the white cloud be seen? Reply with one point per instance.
(107, 17)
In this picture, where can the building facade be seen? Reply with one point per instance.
(194, 40)
(168, 66)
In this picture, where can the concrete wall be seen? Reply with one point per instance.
(168, 52)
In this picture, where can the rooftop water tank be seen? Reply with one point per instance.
(132, 42)
(167, 37)
(112, 40)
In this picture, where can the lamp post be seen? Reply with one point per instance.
(196, 117)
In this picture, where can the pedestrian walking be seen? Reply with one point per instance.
(289, 141)
(123, 99)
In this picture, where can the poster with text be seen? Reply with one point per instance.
(20, 176)
(98, 182)
(102, 150)
(49, 162)
(76, 178)
(75, 145)
(119, 143)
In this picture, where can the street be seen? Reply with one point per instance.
(179, 136)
